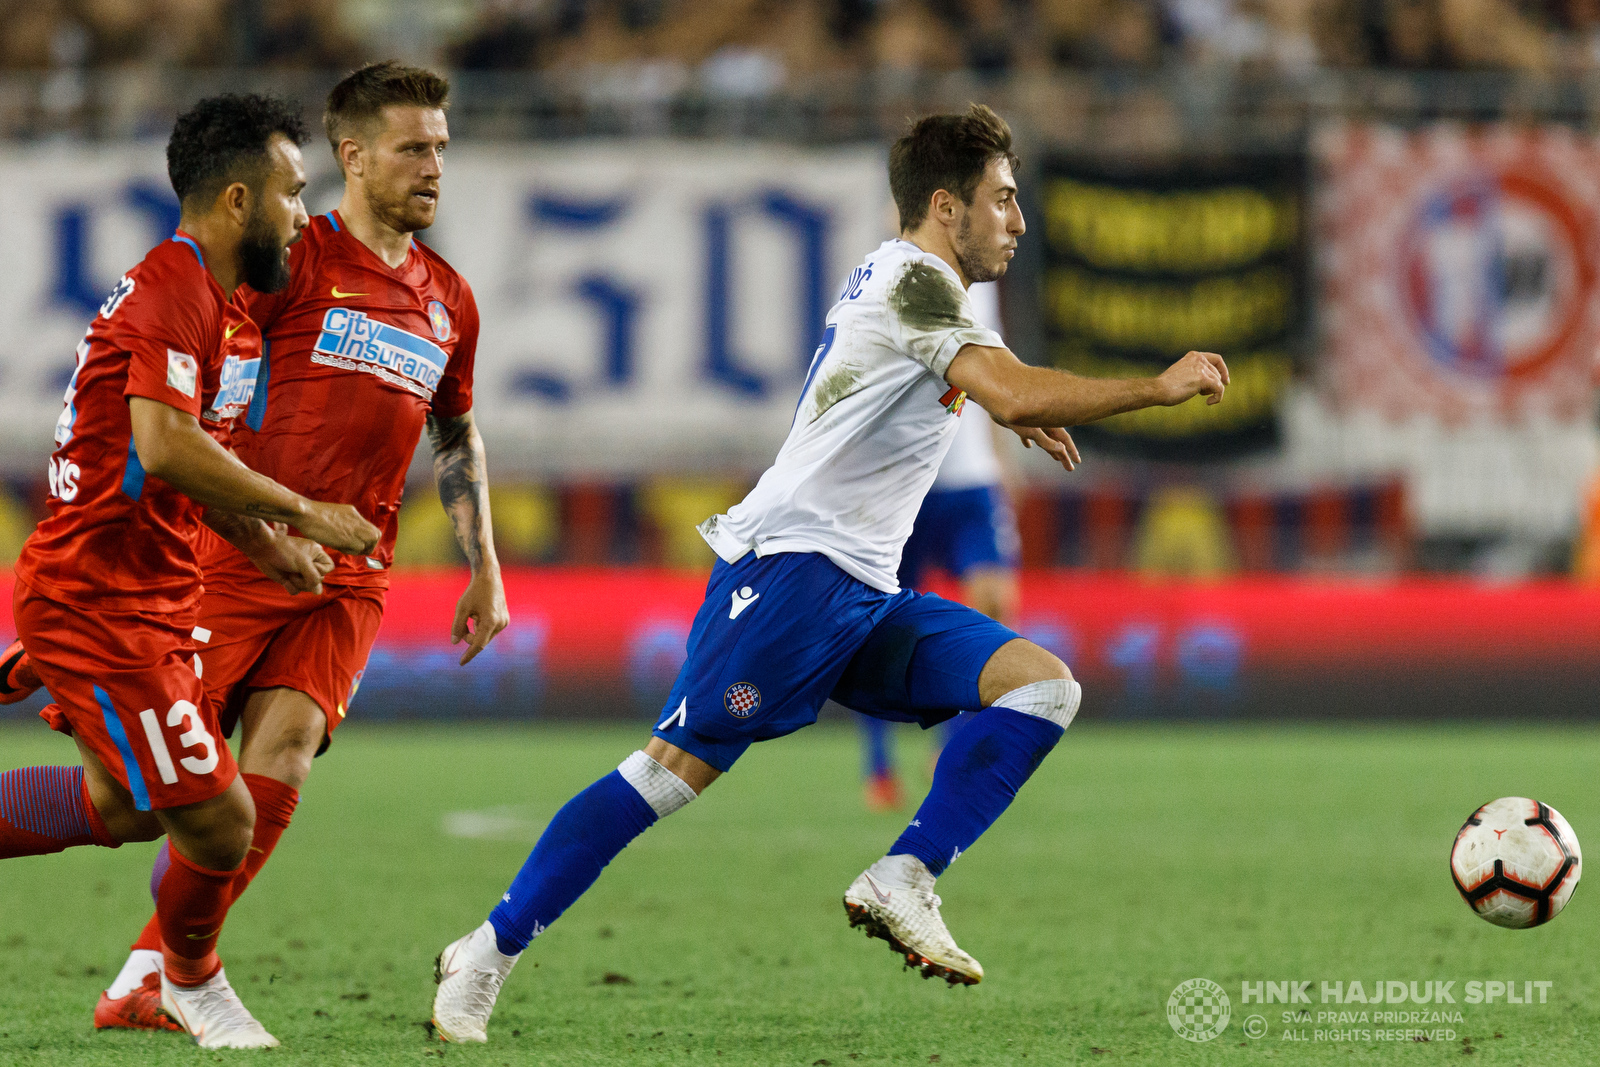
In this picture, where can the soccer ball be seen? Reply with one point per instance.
(1516, 862)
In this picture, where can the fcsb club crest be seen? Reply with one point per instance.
(439, 319)
(742, 699)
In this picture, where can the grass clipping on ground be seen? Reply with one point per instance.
(1136, 859)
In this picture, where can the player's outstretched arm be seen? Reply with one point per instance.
(461, 470)
(1020, 395)
(172, 446)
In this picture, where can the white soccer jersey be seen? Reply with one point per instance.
(971, 461)
(874, 420)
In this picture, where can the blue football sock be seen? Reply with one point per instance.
(875, 737)
(978, 774)
(586, 834)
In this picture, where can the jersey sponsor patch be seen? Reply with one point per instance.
(182, 370)
(237, 387)
(742, 700)
(352, 341)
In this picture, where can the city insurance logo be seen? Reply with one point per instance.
(1199, 1010)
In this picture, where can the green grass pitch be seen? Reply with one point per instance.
(1138, 857)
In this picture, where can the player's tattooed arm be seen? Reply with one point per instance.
(462, 473)
(461, 470)
(240, 531)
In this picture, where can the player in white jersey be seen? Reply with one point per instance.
(967, 529)
(803, 603)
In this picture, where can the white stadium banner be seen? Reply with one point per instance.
(645, 306)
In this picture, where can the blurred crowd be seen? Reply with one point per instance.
(756, 44)
(755, 47)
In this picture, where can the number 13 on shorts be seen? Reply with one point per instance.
(195, 736)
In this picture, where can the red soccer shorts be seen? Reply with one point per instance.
(124, 683)
(254, 635)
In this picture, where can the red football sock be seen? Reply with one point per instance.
(150, 936)
(191, 903)
(275, 804)
(47, 809)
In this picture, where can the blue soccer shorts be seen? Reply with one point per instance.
(779, 635)
(959, 531)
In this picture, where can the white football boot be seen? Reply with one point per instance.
(213, 1014)
(470, 972)
(894, 899)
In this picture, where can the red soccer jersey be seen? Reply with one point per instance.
(356, 355)
(116, 539)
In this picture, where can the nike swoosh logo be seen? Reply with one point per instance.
(227, 333)
(202, 937)
(337, 295)
(883, 898)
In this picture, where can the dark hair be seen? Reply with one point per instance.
(948, 152)
(364, 93)
(224, 139)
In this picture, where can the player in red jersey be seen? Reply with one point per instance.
(108, 584)
(373, 339)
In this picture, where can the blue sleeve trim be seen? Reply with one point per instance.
(130, 762)
(256, 415)
(133, 473)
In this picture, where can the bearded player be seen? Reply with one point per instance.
(108, 584)
(803, 603)
(373, 338)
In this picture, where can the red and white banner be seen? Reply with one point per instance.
(1460, 269)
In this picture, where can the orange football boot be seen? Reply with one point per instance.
(18, 680)
(139, 1010)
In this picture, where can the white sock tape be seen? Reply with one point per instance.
(1056, 700)
(661, 789)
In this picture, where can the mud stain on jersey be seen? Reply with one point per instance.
(836, 386)
(926, 299)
